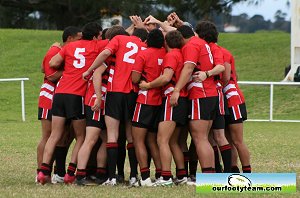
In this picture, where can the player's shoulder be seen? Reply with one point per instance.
(225, 51)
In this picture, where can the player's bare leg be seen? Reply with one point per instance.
(199, 130)
(46, 131)
(165, 131)
(91, 137)
(152, 143)
(236, 131)
(181, 173)
(112, 125)
(224, 147)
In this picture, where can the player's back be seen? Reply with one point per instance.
(78, 57)
(125, 48)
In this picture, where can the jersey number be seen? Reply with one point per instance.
(80, 62)
(133, 51)
(209, 53)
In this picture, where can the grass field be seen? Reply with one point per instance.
(275, 147)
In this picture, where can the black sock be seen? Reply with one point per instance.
(80, 174)
(157, 173)
(193, 167)
(101, 173)
(46, 169)
(226, 157)
(246, 169)
(71, 169)
(112, 157)
(218, 166)
(91, 170)
(186, 161)
(207, 170)
(121, 151)
(181, 173)
(60, 154)
(132, 160)
(235, 169)
(145, 173)
(166, 175)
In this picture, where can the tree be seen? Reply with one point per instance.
(78, 12)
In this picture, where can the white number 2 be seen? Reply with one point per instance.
(127, 55)
(80, 63)
(209, 53)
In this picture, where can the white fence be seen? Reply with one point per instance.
(22, 92)
(271, 84)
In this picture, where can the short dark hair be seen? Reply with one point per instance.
(70, 31)
(103, 33)
(141, 33)
(91, 30)
(114, 31)
(174, 39)
(207, 31)
(186, 31)
(155, 39)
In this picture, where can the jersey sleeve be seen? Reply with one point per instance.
(139, 63)
(170, 61)
(190, 54)
(113, 45)
(62, 52)
(217, 55)
(52, 52)
(226, 56)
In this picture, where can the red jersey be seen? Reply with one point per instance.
(232, 91)
(78, 57)
(125, 49)
(174, 61)
(149, 64)
(197, 51)
(90, 95)
(48, 87)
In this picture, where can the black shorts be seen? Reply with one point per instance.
(146, 116)
(69, 106)
(237, 114)
(218, 122)
(94, 118)
(203, 108)
(44, 114)
(120, 105)
(178, 114)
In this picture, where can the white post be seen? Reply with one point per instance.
(271, 101)
(295, 39)
(23, 100)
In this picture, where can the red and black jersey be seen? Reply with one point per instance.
(90, 95)
(48, 87)
(173, 60)
(78, 57)
(232, 91)
(125, 48)
(149, 64)
(197, 52)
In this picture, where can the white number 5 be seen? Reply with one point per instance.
(127, 55)
(80, 63)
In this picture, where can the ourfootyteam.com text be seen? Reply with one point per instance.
(245, 188)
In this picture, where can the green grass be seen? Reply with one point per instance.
(18, 141)
(261, 57)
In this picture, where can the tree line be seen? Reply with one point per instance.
(58, 14)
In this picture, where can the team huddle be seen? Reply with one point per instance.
(151, 85)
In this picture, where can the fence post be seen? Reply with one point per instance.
(23, 100)
(271, 101)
